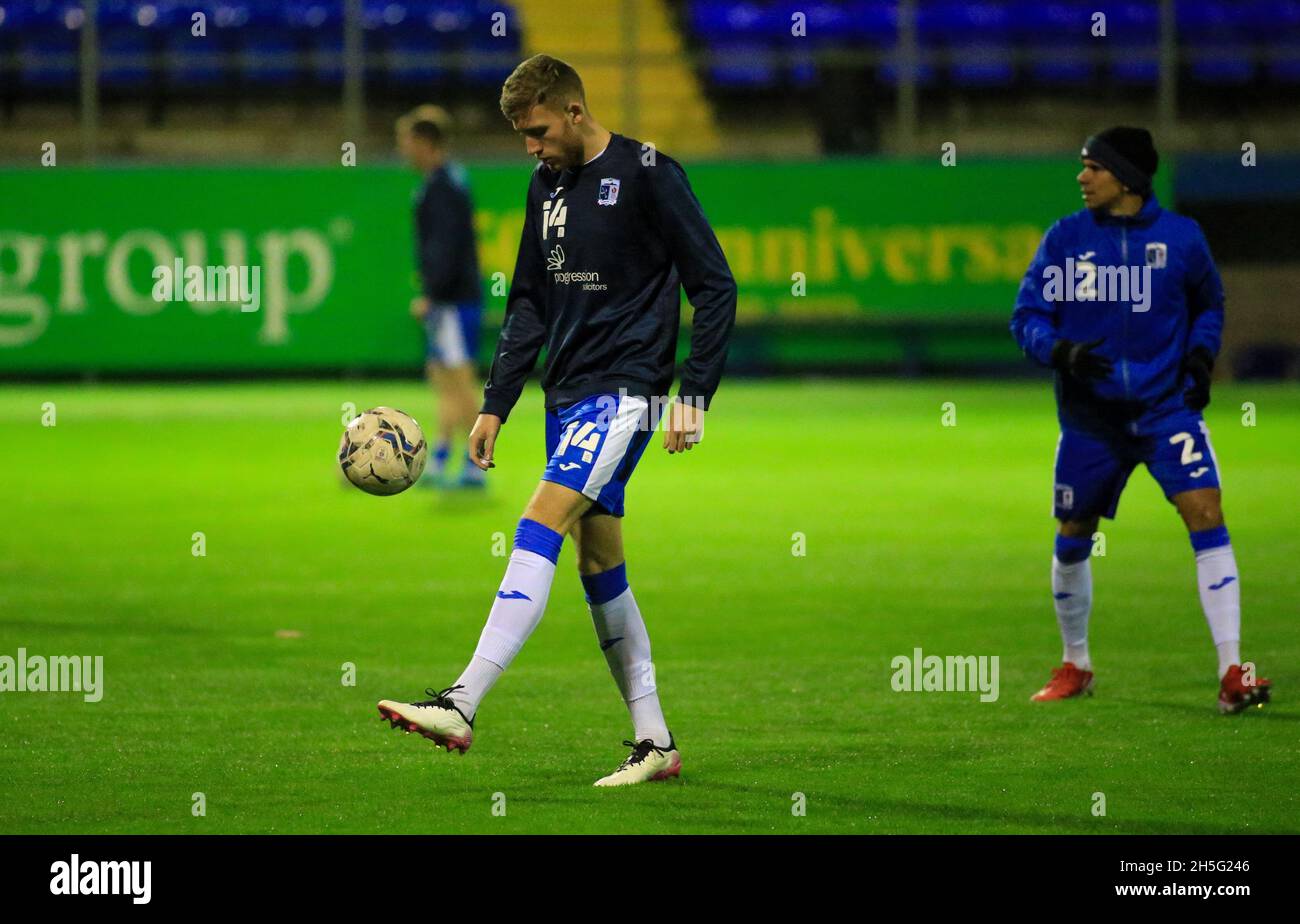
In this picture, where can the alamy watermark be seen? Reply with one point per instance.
(179, 282)
(618, 415)
(76, 876)
(55, 674)
(645, 412)
(921, 673)
(1082, 280)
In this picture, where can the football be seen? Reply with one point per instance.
(383, 451)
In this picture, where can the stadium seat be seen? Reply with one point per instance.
(825, 23)
(742, 65)
(1133, 43)
(48, 45)
(975, 37)
(414, 52)
(192, 62)
(459, 17)
(271, 47)
(126, 58)
(1058, 39)
(826, 26)
(317, 28)
(495, 59)
(873, 23)
(1277, 25)
(199, 62)
(1216, 43)
(131, 41)
(722, 22)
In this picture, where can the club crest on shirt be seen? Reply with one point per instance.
(1157, 254)
(608, 192)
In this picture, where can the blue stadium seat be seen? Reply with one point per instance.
(1059, 39)
(825, 26)
(125, 59)
(1133, 41)
(131, 37)
(1264, 21)
(1277, 24)
(825, 23)
(891, 73)
(727, 23)
(413, 52)
(49, 44)
(317, 30)
(742, 65)
(198, 62)
(1216, 43)
(317, 16)
(459, 17)
(872, 22)
(490, 71)
(230, 16)
(270, 46)
(976, 38)
(193, 62)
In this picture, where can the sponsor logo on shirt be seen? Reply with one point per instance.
(555, 261)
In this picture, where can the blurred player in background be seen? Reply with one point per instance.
(612, 231)
(1123, 299)
(450, 303)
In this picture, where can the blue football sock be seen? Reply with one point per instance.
(441, 453)
(471, 472)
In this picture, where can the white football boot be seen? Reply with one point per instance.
(645, 764)
(438, 719)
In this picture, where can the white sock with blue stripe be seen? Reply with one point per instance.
(1072, 595)
(1216, 578)
(626, 644)
(516, 611)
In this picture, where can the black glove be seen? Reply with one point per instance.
(1078, 360)
(1199, 364)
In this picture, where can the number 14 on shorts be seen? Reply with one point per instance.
(582, 436)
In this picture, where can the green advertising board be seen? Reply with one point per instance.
(842, 241)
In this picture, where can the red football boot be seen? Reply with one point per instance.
(1235, 695)
(1067, 681)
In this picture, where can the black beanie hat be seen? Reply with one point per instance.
(1129, 153)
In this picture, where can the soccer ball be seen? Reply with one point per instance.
(383, 451)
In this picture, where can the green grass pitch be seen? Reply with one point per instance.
(774, 668)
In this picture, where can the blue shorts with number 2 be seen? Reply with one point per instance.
(1092, 468)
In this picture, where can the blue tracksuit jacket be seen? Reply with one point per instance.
(1169, 301)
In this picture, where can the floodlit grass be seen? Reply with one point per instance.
(773, 668)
